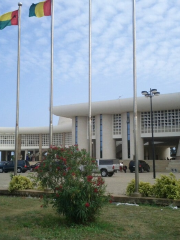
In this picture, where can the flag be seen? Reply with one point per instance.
(8, 19)
(40, 9)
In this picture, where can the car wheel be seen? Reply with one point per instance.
(140, 170)
(1, 170)
(19, 170)
(104, 173)
(148, 169)
(110, 174)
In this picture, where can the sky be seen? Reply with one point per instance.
(157, 55)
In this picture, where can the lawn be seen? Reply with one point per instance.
(25, 219)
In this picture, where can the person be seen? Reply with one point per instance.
(121, 166)
(27, 157)
(124, 168)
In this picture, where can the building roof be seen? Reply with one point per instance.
(64, 125)
(162, 102)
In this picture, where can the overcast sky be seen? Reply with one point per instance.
(158, 55)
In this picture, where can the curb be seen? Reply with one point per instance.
(116, 198)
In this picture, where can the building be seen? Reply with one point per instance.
(112, 129)
(34, 140)
(112, 126)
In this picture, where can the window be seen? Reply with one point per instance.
(163, 121)
(117, 124)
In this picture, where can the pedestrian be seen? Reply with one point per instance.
(121, 166)
(124, 168)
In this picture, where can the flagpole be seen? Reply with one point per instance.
(135, 102)
(90, 132)
(17, 95)
(51, 84)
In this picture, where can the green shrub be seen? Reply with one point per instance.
(167, 187)
(77, 195)
(19, 182)
(146, 189)
(130, 187)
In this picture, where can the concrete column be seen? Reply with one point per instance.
(109, 147)
(19, 147)
(63, 140)
(73, 130)
(139, 138)
(140, 142)
(132, 135)
(40, 147)
(124, 136)
(82, 132)
(97, 126)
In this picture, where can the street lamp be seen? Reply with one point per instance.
(150, 94)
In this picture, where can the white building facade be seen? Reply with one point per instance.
(112, 129)
(112, 126)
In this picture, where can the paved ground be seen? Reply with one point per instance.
(116, 184)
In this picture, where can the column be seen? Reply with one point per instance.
(109, 147)
(19, 147)
(40, 147)
(124, 136)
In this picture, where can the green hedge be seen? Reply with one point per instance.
(164, 187)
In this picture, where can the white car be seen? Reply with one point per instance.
(107, 167)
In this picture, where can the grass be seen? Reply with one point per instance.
(24, 219)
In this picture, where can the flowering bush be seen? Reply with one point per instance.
(78, 195)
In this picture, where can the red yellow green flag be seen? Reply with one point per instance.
(40, 9)
(8, 19)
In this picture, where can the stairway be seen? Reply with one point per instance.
(173, 166)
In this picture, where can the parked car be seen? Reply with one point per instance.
(1, 166)
(143, 166)
(107, 167)
(22, 166)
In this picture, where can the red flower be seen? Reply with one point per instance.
(87, 204)
(110, 201)
(59, 188)
(96, 190)
(57, 195)
(100, 181)
(89, 178)
(64, 173)
(73, 174)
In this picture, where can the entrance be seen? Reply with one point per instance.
(118, 143)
